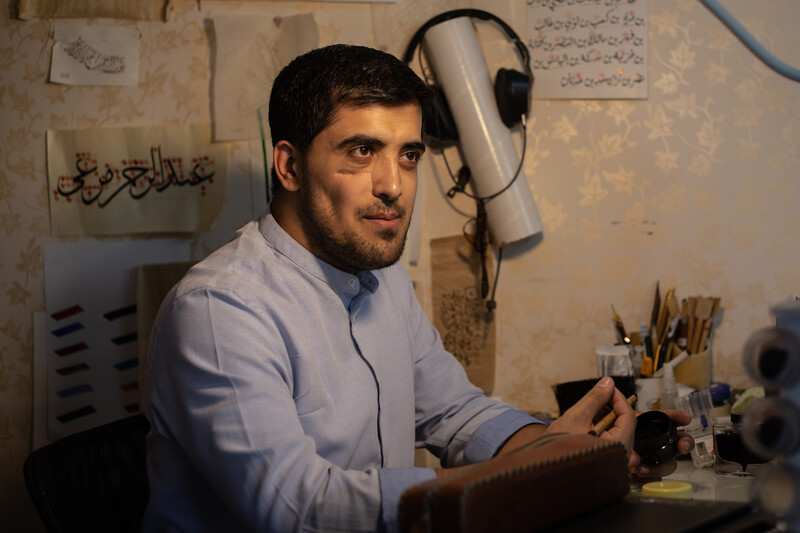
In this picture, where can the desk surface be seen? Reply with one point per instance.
(719, 505)
(708, 485)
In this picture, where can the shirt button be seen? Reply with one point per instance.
(351, 282)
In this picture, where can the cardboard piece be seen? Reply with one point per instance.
(460, 312)
(153, 282)
(695, 371)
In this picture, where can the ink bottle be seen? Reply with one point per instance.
(656, 438)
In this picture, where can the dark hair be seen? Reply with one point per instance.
(309, 90)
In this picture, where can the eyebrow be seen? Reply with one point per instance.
(358, 140)
(416, 145)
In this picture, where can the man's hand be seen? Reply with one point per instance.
(579, 419)
(582, 416)
(640, 472)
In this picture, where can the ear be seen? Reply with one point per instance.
(285, 158)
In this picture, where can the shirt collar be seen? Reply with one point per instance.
(346, 284)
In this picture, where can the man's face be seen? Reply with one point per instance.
(358, 181)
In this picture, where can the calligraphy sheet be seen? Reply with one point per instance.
(588, 48)
(459, 311)
(250, 50)
(95, 55)
(112, 9)
(92, 339)
(353, 1)
(134, 180)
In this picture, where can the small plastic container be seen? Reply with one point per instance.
(656, 438)
(700, 406)
(677, 490)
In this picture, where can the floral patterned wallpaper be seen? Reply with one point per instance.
(696, 186)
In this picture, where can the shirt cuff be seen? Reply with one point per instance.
(489, 436)
(394, 481)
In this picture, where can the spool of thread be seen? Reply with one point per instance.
(772, 357)
(777, 491)
(771, 427)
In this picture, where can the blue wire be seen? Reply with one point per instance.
(750, 42)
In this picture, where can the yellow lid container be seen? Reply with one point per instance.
(680, 490)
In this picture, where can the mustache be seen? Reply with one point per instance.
(381, 211)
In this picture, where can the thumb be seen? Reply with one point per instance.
(578, 418)
(597, 397)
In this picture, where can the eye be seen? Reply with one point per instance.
(361, 151)
(412, 156)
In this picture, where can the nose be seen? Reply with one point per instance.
(386, 180)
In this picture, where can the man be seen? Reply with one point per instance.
(293, 371)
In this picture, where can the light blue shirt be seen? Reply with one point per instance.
(286, 395)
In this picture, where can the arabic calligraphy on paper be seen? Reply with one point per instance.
(91, 58)
(138, 176)
(95, 55)
(134, 180)
(588, 48)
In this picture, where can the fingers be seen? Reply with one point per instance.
(625, 423)
(594, 400)
(649, 472)
(578, 418)
(681, 418)
(626, 416)
(685, 442)
(641, 473)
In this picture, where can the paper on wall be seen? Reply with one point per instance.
(92, 340)
(112, 9)
(134, 180)
(459, 311)
(595, 49)
(95, 55)
(349, 1)
(250, 50)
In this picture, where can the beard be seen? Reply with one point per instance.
(347, 250)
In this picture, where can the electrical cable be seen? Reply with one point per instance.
(458, 189)
(491, 305)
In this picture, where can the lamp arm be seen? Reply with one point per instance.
(750, 42)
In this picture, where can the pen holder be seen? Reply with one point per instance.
(695, 371)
